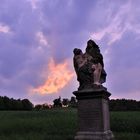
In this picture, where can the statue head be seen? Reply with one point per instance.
(91, 44)
(77, 51)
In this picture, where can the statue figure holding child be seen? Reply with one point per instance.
(89, 67)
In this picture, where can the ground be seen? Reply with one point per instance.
(61, 124)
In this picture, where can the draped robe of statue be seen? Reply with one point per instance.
(94, 51)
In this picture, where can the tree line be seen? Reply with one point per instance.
(114, 104)
(7, 103)
(58, 103)
(124, 105)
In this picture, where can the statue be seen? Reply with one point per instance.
(92, 97)
(89, 67)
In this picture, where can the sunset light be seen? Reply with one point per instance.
(58, 77)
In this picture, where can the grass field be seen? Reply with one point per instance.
(60, 124)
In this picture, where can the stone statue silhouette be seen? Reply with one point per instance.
(89, 66)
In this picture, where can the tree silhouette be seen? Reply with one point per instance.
(27, 105)
(65, 102)
(73, 102)
(13, 104)
(57, 102)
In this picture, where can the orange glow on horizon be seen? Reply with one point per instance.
(58, 77)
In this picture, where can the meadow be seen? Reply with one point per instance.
(61, 124)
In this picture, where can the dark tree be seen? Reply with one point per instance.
(65, 102)
(57, 102)
(124, 105)
(38, 107)
(2, 105)
(45, 106)
(13, 104)
(73, 102)
(27, 105)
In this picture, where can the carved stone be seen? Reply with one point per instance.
(93, 115)
(89, 66)
(93, 109)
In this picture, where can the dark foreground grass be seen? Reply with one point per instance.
(60, 124)
(53, 124)
(125, 122)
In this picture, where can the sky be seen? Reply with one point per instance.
(37, 38)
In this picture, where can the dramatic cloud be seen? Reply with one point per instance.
(58, 77)
(119, 23)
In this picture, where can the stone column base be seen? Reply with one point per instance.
(85, 135)
(93, 115)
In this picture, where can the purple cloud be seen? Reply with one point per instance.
(40, 30)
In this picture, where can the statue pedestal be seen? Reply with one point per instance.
(93, 115)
